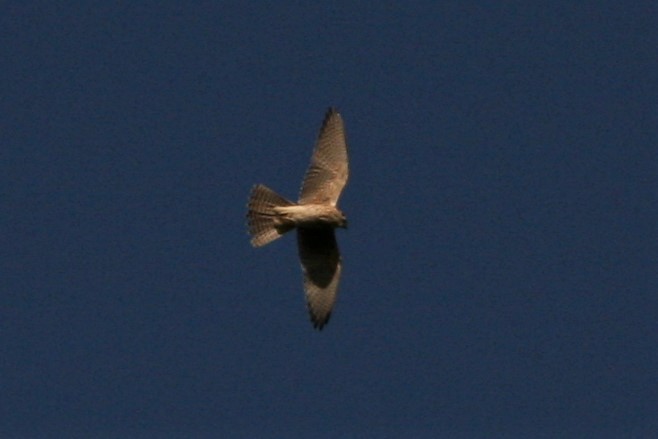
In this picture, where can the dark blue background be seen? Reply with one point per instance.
(500, 267)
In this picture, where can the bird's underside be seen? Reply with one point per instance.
(315, 217)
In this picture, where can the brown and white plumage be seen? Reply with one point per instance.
(315, 216)
(264, 226)
(327, 174)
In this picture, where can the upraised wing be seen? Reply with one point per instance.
(327, 174)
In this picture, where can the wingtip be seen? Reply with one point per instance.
(318, 323)
(332, 112)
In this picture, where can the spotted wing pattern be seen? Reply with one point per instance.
(327, 174)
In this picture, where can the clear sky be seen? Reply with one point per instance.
(499, 270)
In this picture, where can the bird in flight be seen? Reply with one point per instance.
(315, 216)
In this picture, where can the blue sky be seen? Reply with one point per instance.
(499, 264)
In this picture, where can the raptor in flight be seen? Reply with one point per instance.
(315, 216)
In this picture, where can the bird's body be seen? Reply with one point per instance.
(315, 217)
(311, 215)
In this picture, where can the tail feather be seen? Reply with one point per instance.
(261, 218)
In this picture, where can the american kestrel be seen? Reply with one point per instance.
(315, 216)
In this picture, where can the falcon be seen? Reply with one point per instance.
(315, 216)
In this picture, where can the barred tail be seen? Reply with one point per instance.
(261, 218)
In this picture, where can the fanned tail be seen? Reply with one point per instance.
(264, 226)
